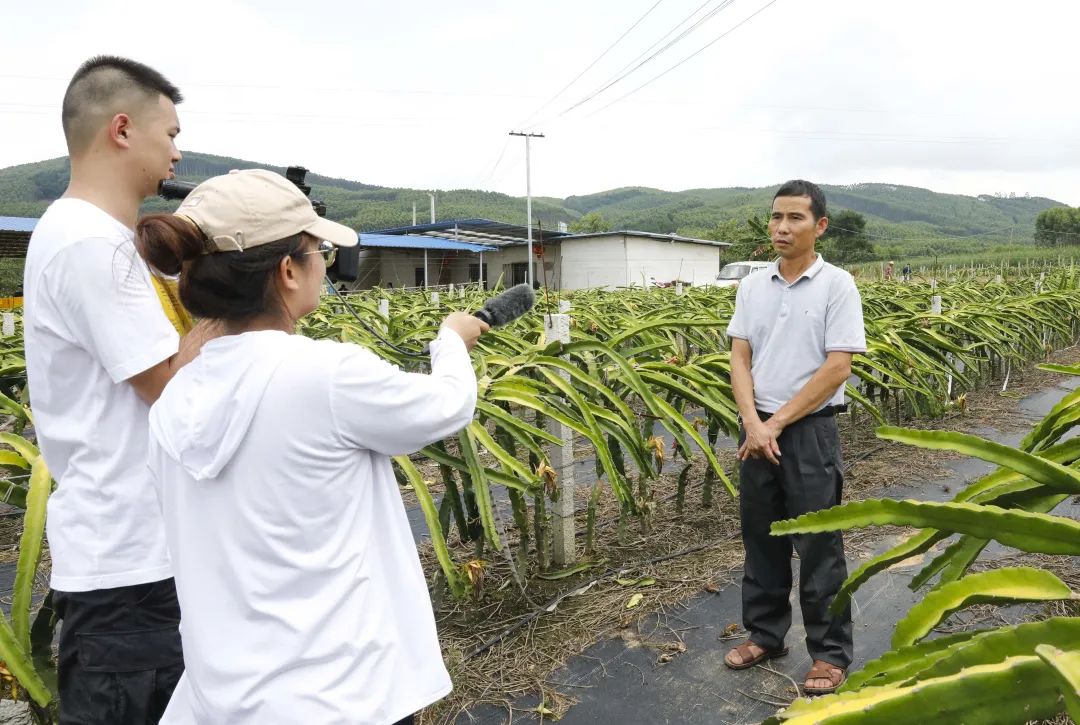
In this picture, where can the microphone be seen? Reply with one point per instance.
(505, 308)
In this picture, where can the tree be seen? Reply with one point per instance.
(592, 223)
(51, 182)
(749, 239)
(846, 240)
(1057, 227)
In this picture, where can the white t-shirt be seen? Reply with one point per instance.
(793, 327)
(92, 320)
(301, 592)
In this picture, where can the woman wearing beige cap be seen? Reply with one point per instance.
(301, 593)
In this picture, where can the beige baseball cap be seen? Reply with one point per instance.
(243, 209)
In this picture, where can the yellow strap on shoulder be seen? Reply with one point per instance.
(169, 294)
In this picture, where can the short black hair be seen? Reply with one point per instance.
(801, 187)
(99, 85)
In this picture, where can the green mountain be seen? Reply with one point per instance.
(898, 217)
(895, 215)
(28, 189)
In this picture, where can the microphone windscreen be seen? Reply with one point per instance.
(510, 305)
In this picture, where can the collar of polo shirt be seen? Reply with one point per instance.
(810, 273)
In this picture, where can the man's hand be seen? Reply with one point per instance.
(468, 327)
(150, 382)
(761, 441)
(191, 343)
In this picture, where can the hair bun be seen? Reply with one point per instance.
(166, 241)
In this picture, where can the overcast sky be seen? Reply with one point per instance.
(963, 96)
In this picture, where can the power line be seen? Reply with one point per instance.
(495, 166)
(624, 73)
(590, 66)
(660, 40)
(695, 53)
(933, 237)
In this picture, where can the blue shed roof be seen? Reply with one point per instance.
(401, 241)
(17, 223)
(478, 231)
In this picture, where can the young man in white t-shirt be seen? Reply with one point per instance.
(99, 351)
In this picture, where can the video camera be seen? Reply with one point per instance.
(345, 268)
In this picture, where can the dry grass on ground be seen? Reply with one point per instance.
(705, 554)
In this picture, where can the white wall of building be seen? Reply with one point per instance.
(614, 260)
(622, 260)
(398, 266)
(666, 261)
(593, 262)
(500, 264)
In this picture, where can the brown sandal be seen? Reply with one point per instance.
(822, 670)
(749, 659)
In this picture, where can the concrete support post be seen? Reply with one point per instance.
(384, 312)
(557, 327)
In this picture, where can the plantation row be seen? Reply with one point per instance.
(655, 356)
(638, 358)
(641, 357)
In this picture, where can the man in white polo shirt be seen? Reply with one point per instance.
(796, 326)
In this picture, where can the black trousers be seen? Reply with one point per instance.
(120, 653)
(809, 478)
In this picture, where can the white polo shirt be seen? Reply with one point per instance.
(791, 328)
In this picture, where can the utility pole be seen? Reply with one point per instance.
(528, 203)
(431, 195)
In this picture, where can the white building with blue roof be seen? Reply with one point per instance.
(467, 251)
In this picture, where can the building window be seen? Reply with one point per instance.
(419, 276)
(518, 272)
(474, 273)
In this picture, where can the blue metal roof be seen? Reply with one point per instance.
(401, 241)
(649, 235)
(17, 223)
(477, 229)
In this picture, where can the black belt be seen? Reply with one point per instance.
(827, 412)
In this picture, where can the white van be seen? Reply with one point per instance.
(731, 273)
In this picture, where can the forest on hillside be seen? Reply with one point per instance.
(899, 220)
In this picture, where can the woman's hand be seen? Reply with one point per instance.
(468, 327)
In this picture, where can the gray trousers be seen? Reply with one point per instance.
(809, 478)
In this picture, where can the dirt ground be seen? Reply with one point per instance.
(506, 642)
